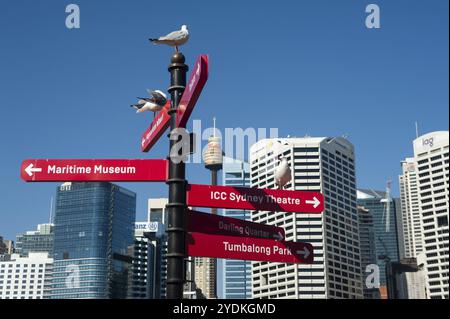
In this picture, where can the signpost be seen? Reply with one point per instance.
(94, 170)
(219, 225)
(158, 126)
(247, 248)
(192, 92)
(255, 199)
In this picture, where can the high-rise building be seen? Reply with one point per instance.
(40, 240)
(157, 210)
(431, 156)
(409, 199)
(26, 277)
(157, 213)
(93, 237)
(6, 248)
(368, 250)
(385, 229)
(317, 164)
(236, 274)
(146, 282)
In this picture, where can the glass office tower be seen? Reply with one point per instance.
(385, 229)
(40, 240)
(94, 234)
(236, 274)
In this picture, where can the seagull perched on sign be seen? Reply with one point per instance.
(282, 173)
(174, 39)
(153, 104)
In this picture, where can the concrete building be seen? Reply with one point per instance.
(236, 275)
(431, 156)
(26, 277)
(157, 213)
(39, 240)
(318, 164)
(410, 208)
(6, 248)
(146, 282)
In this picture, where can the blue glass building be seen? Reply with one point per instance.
(385, 229)
(236, 274)
(93, 241)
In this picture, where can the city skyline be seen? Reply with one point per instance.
(319, 98)
(345, 79)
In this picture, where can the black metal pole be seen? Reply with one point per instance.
(176, 207)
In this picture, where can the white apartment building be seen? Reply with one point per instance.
(26, 277)
(431, 155)
(409, 199)
(318, 164)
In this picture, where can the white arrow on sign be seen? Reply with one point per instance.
(30, 169)
(315, 202)
(305, 252)
(278, 236)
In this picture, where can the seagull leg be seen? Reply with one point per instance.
(176, 48)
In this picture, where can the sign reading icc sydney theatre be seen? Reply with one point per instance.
(254, 199)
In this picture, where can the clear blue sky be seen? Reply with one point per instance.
(307, 67)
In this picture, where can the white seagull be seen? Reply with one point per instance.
(282, 173)
(153, 104)
(174, 39)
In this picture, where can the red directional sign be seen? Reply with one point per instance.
(94, 170)
(219, 225)
(192, 92)
(255, 199)
(159, 124)
(247, 248)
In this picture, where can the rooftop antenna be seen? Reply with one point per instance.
(214, 124)
(51, 210)
(417, 130)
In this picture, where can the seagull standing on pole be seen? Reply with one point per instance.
(153, 104)
(282, 173)
(174, 39)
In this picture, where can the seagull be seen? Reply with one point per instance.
(174, 39)
(153, 104)
(282, 173)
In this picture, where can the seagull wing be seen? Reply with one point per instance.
(159, 98)
(173, 36)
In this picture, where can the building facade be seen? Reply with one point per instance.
(26, 277)
(410, 208)
(6, 248)
(146, 283)
(93, 238)
(40, 240)
(236, 274)
(385, 229)
(326, 165)
(368, 249)
(431, 156)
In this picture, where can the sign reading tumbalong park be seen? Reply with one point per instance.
(254, 199)
(159, 124)
(94, 170)
(219, 225)
(247, 248)
(193, 89)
